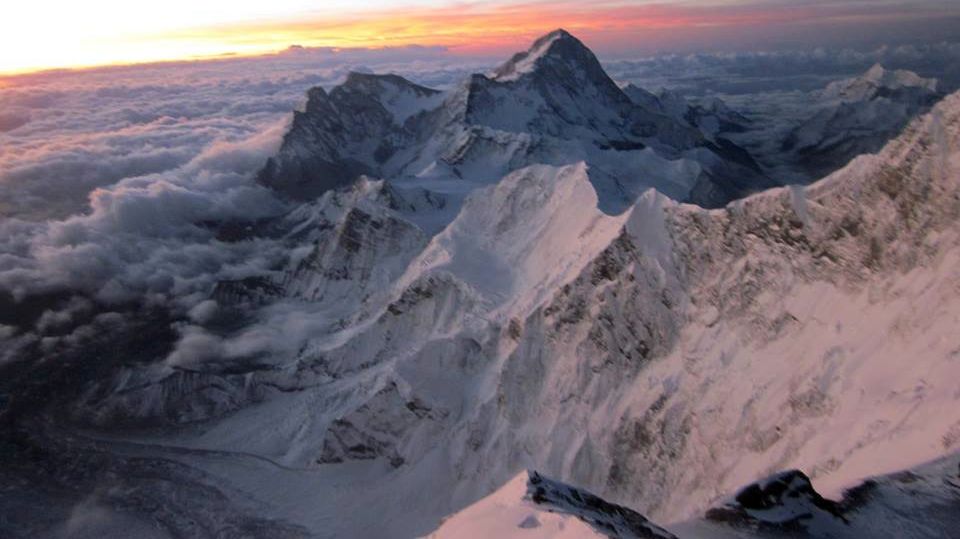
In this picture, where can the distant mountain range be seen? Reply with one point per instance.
(859, 116)
(516, 274)
(552, 104)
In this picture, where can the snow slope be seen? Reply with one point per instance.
(552, 104)
(859, 116)
(696, 350)
(917, 503)
(542, 507)
(509, 513)
(430, 342)
(878, 80)
(517, 241)
(784, 341)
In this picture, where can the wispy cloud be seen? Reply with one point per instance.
(108, 176)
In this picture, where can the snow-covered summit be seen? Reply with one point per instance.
(877, 81)
(558, 51)
(858, 116)
(552, 104)
(380, 377)
(398, 95)
(920, 503)
(514, 242)
(525, 62)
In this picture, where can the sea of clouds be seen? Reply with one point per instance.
(110, 178)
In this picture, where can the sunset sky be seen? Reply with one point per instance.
(43, 34)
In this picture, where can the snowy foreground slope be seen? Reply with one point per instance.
(531, 505)
(431, 338)
(815, 344)
(804, 328)
(922, 502)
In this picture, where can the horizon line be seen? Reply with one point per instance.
(489, 31)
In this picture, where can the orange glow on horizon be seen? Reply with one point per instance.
(473, 30)
(469, 30)
(465, 29)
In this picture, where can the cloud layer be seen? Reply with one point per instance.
(72, 133)
(110, 178)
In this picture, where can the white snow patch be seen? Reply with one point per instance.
(506, 514)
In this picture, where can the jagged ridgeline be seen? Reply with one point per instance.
(482, 281)
(553, 104)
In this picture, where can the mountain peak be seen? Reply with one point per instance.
(899, 78)
(376, 82)
(557, 47)
(547, 39)
(875, 73)
(879, 79)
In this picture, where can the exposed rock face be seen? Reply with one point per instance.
(372, 431)
(917, 503)
(607, 518)
(660, 357)
(667, 344)
(351, 131)
(711, 116)
(785, 502)
(920, 502)
(552, 104)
